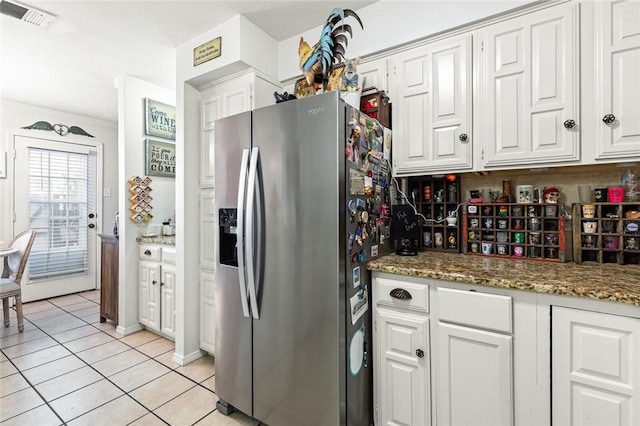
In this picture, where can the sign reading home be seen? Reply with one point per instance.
(160, 158)
(207, 51)
(160, 119)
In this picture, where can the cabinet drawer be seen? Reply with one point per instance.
(169, 255)
(479, 310)
(151, 252)
(418, 293)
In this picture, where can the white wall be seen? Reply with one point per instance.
(15, 115)
(131, 156)
(389, 23)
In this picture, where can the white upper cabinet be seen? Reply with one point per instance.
(373, 74)
(529, 110)
(430, 87)
(616, 113)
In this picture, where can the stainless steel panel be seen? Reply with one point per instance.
(233, 330)
(299, 352)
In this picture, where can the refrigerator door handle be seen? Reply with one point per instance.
(242, 185)
(251, 211)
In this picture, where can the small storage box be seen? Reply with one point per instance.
(377, 105)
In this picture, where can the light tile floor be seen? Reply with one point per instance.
(68, 368)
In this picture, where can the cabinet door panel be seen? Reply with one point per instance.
(475, 377)
(207, 312)
(595, 377)
(618, 86)
(404, 377)
(531, 79)
(149, 296)
(432, 107)
(168, 300)
(373, 74)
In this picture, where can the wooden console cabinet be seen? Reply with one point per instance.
(109, 278)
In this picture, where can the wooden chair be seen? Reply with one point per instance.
(15, 265)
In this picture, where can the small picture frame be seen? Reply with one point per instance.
(160, 159)
(356, 276)
(160, 119)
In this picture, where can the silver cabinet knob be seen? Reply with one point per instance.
(609, 119)
(463, 137)
(419, 353)
(569, 124)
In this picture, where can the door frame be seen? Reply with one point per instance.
(70, 140)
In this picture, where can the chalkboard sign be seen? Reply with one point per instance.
(404, 223)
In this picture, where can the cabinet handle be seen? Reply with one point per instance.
(609, 119)
(419, 353)
(569, 124)
(463, 137)
(147, 252)
(400, 293)
(154, 282)
(161, 283)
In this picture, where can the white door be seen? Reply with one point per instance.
(595, 376)
(618, 85)
(531, 94)
(403, 369)
(55, 195)
(475, 379)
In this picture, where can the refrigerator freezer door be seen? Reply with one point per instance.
(233, 329)
(299, 342)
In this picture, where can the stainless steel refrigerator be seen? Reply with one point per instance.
(302, 203)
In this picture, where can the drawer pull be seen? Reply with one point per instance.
(147, 252)
(419, 353)
(400, 293)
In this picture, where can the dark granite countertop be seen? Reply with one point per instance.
(618, 283)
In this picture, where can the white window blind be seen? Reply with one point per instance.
(58, 203)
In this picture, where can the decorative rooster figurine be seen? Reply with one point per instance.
(317, 63)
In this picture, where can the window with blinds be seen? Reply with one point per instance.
(58, 205)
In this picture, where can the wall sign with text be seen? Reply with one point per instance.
(160, 158)
(160, 119)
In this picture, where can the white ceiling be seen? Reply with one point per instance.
(71, 65)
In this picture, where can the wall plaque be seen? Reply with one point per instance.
(160, 158)
(160, 119)
(207, 51)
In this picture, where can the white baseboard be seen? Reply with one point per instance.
(184, 360)
(128, 330)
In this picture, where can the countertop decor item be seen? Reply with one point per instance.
(609, 236)
(531, 231)
(440, 210)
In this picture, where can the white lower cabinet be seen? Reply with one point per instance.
(403, 364)
(402, 380)
(207, 313)
(445, 354)
(474, 377)
(596, 368)
(157, 289)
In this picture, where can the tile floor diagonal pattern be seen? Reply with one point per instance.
(68, 368)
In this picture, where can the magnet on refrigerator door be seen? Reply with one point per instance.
(356, 351)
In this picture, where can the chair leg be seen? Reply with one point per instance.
(5, 310)
(19, 313)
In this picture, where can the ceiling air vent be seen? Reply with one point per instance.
(26, 13)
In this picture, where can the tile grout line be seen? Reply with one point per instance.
(105, 377)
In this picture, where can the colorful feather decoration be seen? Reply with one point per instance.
(317, 63)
